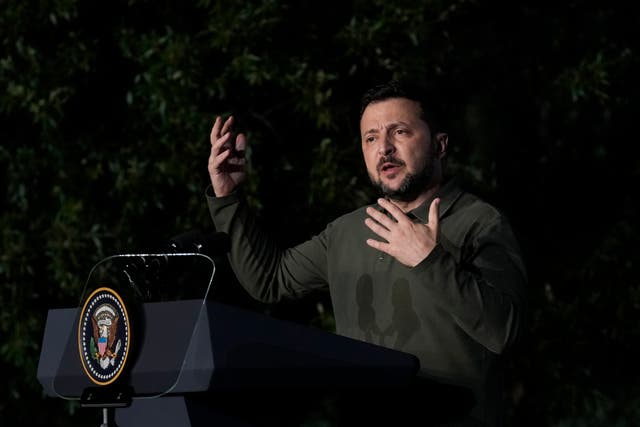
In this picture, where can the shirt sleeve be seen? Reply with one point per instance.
(266, 271)
(483, 289)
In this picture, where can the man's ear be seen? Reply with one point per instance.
(442, 143)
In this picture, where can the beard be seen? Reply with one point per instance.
(411, 186)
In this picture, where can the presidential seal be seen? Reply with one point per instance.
(104, 335)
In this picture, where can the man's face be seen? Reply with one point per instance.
(397, 148)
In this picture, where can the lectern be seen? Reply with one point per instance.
(197, 362)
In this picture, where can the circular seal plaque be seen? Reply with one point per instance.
(104, 335)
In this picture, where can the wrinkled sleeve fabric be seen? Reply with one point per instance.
(483, 286)
(267, 272)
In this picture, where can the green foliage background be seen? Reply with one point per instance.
(107, 107)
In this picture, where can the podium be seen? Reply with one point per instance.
(202, 363)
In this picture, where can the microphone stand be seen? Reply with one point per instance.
(107, 399)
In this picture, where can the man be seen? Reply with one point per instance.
(429, 270)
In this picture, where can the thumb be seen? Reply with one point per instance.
(241, 143)
(433, 213)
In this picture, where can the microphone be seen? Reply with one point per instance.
(212, 244)
(147, 274)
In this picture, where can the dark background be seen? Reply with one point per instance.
(106, 109)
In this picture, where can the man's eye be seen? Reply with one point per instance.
(370, 139)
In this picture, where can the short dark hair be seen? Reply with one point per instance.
(398, 89)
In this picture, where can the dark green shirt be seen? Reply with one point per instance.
(456, 311)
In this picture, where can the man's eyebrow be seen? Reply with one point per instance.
(398, 123)
(389, 126)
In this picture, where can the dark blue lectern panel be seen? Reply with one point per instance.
(232, 362)
(230, 348)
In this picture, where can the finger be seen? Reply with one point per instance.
(393, 209)
(380, 217)
(433, 213)
(236, 161)
(215, 130)
(220, 158)
(377, 228)
(227, 125)
(216, 162)
(221, 144)
(381, 246)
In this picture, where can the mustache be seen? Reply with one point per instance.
(389, 159)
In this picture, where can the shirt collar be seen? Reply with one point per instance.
(449, 192)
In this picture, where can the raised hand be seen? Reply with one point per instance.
(406, 241)
(226, 161)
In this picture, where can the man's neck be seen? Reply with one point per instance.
(409, 205)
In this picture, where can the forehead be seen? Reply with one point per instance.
(381, 113)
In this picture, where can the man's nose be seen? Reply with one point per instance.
(386, 146)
